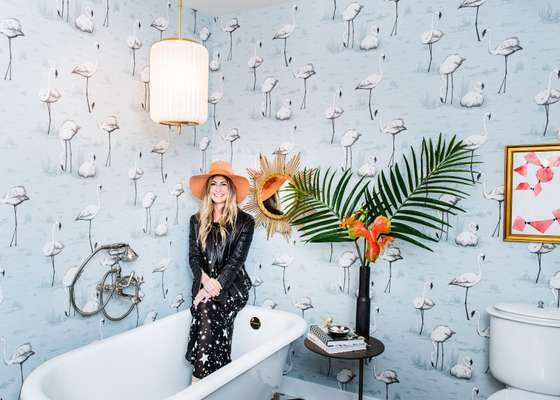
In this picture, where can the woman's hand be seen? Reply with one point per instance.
(202, 296)
(212, 286)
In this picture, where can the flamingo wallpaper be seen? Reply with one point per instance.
(83, 165)
(353, 85)
(347, 84)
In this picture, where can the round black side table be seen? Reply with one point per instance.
(374, 348)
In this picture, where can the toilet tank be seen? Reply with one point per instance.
(525, 347)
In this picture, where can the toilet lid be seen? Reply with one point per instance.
(544, 316)
(515, 394)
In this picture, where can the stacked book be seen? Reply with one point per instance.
(332, 345)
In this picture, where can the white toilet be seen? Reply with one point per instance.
(525, 351)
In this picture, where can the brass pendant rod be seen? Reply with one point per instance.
(180, 13)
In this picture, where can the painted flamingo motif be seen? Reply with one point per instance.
(215, 63)
(106, 20)
(394, 30)
(11, 28)
(345, 261)
(161, 24)
(84, 22)
(110, 124)
(303, 305)
(463, 370)
(469, 280)
(231, 136)
(284, 113)
(195, 13)
(432, 36)
(89, 213)
(371, 83)
(391, 254)
(496, 194)
(66, 133)
(483, 333)
(286, 148)
(230, 27)
(474, 142)
(469, 237)
(50, 95)
(161, 148)
(506, 48)
(424, 303)
(393, 128)
(305, 72)
(539, 249)
(285, 32)
(179, 300)
(348, 16)
(60, 10)
(452, 201)
(203, 147)
(53, 248)
(177, 191)
(204, 34)
(266, 88)
(14, 197)
(371, 40)
(548, 97)
(161, 266)
(87, 70)
(134, 43)
(255, 283)
(369, 169)
(474, 97)
(446, 70)
(19, 356)
(388, 377)
(473, 4)
(334, 112)
(344, 377)
(162, 228)
(214, 99)
(87, 169)
(349, 138)
(254, 63)
(67, 281)
(440, 334)
(135, 174)
(147, 203)
(283, 262)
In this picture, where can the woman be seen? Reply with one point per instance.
(219, 240)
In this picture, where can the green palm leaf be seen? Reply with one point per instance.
(409, 194)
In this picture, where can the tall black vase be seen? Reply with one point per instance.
(363, 304)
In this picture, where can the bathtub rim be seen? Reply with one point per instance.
(34, 389)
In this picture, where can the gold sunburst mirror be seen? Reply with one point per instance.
(269, 200)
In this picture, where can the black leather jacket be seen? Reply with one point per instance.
(222, 260)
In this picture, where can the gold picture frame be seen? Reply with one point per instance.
(531, 192)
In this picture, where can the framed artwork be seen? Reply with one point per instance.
(532, 193)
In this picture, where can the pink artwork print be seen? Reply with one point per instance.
(535, 206)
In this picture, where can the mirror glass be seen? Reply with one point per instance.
(271, 200)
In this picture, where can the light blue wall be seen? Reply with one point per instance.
(30, 309)
(409, 92)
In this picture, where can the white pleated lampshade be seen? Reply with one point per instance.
(178, 82)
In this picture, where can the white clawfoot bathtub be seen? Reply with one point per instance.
(148, 363)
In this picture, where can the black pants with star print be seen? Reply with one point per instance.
(211, 332)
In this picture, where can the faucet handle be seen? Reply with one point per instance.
(540, 304)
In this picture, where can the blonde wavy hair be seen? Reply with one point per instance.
(206, 212)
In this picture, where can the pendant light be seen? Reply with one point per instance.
(178, 80)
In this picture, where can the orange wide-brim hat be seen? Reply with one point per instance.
(197, 183)
(271, 186)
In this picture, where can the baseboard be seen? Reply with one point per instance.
(314, 391)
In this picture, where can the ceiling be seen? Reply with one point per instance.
(224, 7)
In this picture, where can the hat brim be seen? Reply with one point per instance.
(198, 182)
